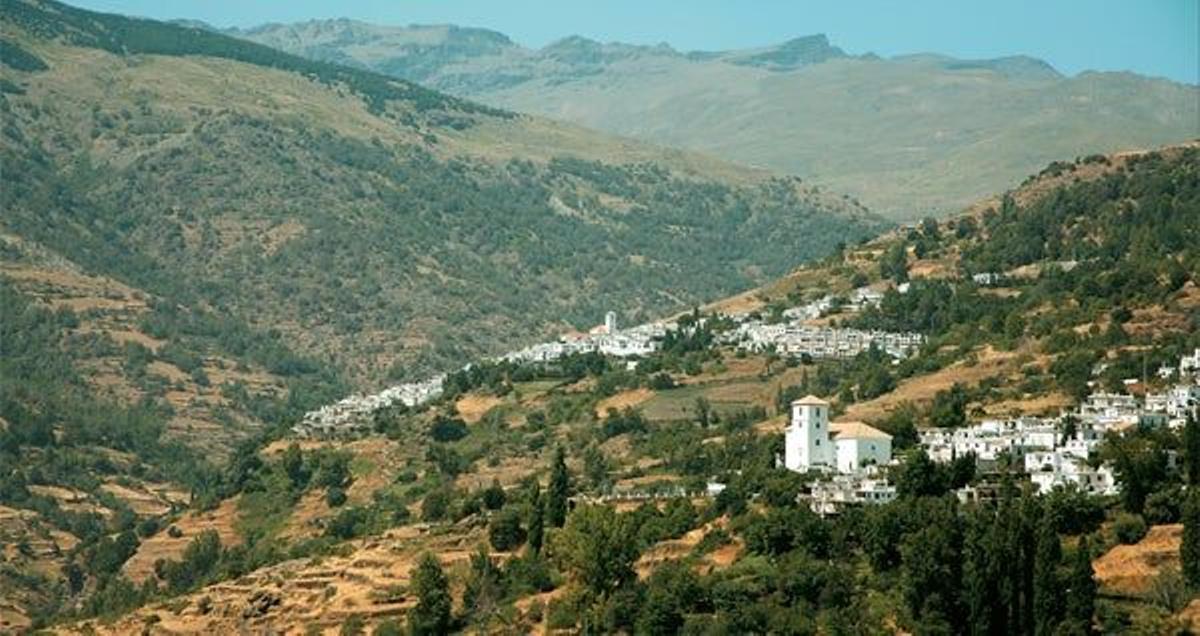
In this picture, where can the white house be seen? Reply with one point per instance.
(812, 443)
(1190, 365)
(834, 495)
(859, 445)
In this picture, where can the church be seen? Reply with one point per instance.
(811, 442)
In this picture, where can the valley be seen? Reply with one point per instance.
(291, 345)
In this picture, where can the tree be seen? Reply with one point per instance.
(352, 626)
(949, 409)
(536, 520)
(703, 411)
(198, 561)
(920, 476)
(448, 429)
(597, 547)
(894, 263)
(431, 615)
(980, 584)
(1047, 595)
(931, 569)
(560, 489)
(1189, 547)
(929, 227)
(595, 466)
(670, 592)
(505, 532)
(293, 466)
(484, 588)
(435, 504)
(1191, 446)
(1081, 591)
(493, 496)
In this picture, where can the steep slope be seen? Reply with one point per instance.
(909, 135)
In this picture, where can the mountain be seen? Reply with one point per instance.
(909, 135)
(203, 238)
(328, 203)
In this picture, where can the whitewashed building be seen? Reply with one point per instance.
(811, 442)
(831, 496)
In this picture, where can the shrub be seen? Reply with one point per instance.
(335, 497)
(1128, 528)
(435, 505)
(505, 532)
(352, 626)
(148, 527)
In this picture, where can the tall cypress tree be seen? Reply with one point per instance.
(1189, 547)
(1081, 591)
(536, 520)
(979, 579)
(560, 489)
(1030, 515)
(1191, 449)
(1047, 593)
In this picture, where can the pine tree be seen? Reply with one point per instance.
(1081, 591)
(1047, 593)
(536, 520)
(431, 616)
(560, 489)
(1189, 547)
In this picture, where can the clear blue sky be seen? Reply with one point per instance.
(1152, 37)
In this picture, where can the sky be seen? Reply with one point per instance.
(1152, 37)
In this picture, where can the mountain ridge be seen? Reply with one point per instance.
(907, 134)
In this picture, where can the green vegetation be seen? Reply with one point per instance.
(431, 616)
(265, 217)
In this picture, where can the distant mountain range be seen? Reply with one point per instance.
(908, 135)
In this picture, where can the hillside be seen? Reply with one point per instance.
(328, 533)
(204, 238)
(909, 136)
(382, 229)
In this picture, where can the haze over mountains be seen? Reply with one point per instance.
(907, 135)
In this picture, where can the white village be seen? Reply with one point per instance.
(851, 458)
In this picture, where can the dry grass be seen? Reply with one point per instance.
(623, 400)
(921, 389)
(142, 502)
(1048, 405)
(473, 407)
(369, 580)
(163, 546)
(1128, 570)
(1190, 616)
